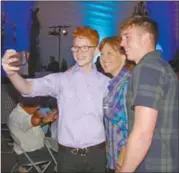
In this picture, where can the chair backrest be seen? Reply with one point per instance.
(51, 143)
(31, 162)
(16, 140)
(8, 103)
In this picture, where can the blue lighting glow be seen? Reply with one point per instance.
(158, 47)
(101, 16)
(161, 12)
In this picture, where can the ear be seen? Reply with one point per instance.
(145, 38)
(96, 51)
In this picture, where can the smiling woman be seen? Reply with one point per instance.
(113, 57)
(113, 61)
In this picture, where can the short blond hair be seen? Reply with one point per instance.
(87, 32)
(143, 22)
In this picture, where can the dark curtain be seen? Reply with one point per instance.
(34, 60)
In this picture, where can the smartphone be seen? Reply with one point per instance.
(22, 59)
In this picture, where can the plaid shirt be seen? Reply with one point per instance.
(155, 85)
(116, 116)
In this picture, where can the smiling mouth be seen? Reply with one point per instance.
(80, 59)
(107, 64)
(127, 50)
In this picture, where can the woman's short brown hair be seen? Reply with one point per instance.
(114, 42)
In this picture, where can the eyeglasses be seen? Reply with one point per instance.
(83, 48)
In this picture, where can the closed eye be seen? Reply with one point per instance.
(128, 37)
(109, 53)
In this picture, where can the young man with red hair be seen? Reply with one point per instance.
(79, 92)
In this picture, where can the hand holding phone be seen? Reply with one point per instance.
(21, 59)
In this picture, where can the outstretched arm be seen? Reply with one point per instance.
(47, 85)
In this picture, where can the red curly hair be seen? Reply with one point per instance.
(87, 32)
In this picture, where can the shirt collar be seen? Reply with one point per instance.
(153, 54)
(77, 68)
(21, 109)
(114, 80)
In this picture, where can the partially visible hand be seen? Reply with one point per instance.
(50, 117)
(117, 170)
(35, 120)
(120, 160)
(10, 56)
